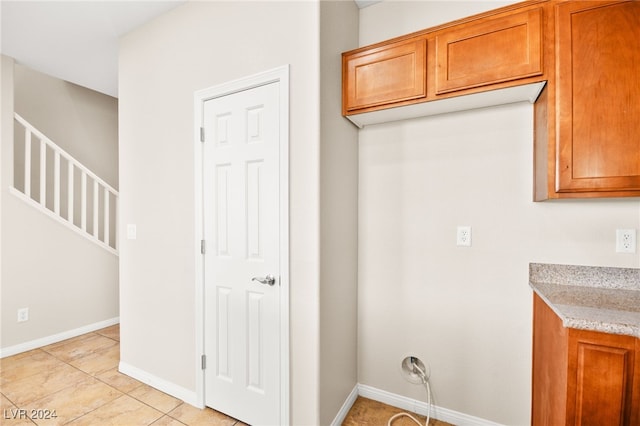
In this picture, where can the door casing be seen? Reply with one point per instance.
(281, 75)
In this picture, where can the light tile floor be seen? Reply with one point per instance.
(367, 412)
(79, 379)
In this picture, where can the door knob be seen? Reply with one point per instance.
(268, 280)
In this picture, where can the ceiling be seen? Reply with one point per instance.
(365, 3)
(77, 41)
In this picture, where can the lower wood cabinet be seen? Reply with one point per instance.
(582, 377)
(600, 380)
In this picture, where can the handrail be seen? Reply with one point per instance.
(99, 186)
(64, 153)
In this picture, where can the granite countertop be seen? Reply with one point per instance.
(590, 298)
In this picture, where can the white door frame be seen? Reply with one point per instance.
(281, 75)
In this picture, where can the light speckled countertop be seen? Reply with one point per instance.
(590, 298)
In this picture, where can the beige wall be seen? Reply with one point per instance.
(79, 120)
(465, 311)
(393, 18)
(66, 281)
(196, 46)
(6, 152)
(338, 215)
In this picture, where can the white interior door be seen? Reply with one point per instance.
(241, 226)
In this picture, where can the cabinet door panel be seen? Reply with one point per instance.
(601, 375)
(488, 52)
(598, 61)
(384, 75)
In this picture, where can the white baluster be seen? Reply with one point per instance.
(56, 183)
(116, 222)
(70, 192)
(61, 155)
(83, 202)
(43, 173)
(106, 216)
(27, 162)
(95, 208)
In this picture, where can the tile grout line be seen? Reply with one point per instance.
(88, 376)
(64, 357)
(95, 377)
(122, 393)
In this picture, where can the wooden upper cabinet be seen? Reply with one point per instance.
(489, 51)
(587, 118)
(494, 50)
(598, 97)
(384, 75)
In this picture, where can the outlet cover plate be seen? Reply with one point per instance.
(625, 240)
(23, 314)
(463, 236)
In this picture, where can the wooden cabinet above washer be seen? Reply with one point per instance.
(495, 50)
(385, 75)
(489, 51)
(586, 55)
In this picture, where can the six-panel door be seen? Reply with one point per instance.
(242, 228)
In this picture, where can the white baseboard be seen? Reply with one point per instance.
(59, 337)
(421, 407)
(184, 394)
(344, 410)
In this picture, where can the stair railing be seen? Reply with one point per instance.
(49, 179)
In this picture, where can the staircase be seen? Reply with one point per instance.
(51, 180)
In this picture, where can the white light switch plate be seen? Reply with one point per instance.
(132, 231)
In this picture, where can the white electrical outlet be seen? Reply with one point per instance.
(23, 314)
(625, 240)
(463, 236)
